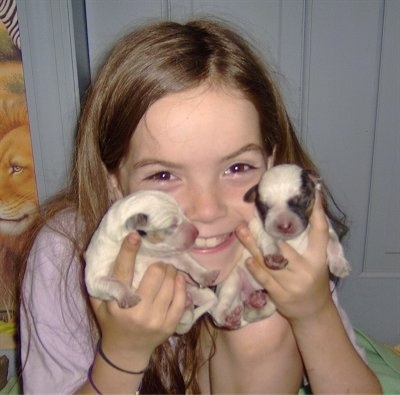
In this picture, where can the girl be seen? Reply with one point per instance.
(188, 109)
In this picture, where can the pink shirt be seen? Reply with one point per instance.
(56, 343)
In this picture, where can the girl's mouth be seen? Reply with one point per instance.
(211, 244)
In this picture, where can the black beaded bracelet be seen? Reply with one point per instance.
(101, 353)
(98, 392)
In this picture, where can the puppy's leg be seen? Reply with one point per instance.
(338, 264)
(256, 302)
(256, 299)
(272, 258)
(187, 320)
(198, 273)
(252, 314)
(203, 300)
(228, 311)
(108, 288)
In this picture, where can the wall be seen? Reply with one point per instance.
(338, 68)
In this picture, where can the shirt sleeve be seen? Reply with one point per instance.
(56, 342)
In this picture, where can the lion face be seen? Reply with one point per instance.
(18, 198)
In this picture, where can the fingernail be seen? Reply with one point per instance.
(243, 230)
(133, 239)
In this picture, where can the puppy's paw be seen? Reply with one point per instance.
(233, 318)
(108, 288)
(339, 267)
(256, 299)
(230, 319)
(128, 300)
(186, 322)
(275, 261)
(337, 262)
(252, 315)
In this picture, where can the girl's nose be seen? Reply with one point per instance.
(205, 205)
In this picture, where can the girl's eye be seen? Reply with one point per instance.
(161, 176)
(239, 168)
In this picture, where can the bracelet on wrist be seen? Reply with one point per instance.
(96, 389)
(106, 359)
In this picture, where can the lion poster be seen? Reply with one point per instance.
(18, 196)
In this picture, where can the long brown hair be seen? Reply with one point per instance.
(144, 66)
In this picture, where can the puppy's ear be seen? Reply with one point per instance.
(251, 195)
(313, 175)
(136, 221)
(310, 182)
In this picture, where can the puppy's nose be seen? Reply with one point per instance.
(193, 233)
(285, 227)
(189, 234)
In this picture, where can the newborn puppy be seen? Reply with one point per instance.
(166, 235)
(283, 199)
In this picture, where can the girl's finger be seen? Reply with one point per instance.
(289, 253)
(246, 238)
(178, 303)
(152, 281)
(260, 272)
(256, 265)
(166, 291)
(125, 261)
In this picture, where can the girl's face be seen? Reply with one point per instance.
(202, 146)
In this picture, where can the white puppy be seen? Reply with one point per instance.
(284, 199)
(166, 235)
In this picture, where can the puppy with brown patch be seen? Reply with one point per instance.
(283, 199)
(166, 234)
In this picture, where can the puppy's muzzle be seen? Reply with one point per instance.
(186, 234)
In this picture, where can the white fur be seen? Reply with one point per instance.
(277, 186)
(169, 235)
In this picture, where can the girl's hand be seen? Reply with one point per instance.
(302, 288)
(133, 333)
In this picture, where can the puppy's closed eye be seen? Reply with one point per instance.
(301, 205)
(299, 202)
(170, 230)
(137, 221)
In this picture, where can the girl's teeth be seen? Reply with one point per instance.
(209, 242)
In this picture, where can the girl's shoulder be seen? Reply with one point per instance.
(57, 242)
(63, 229)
